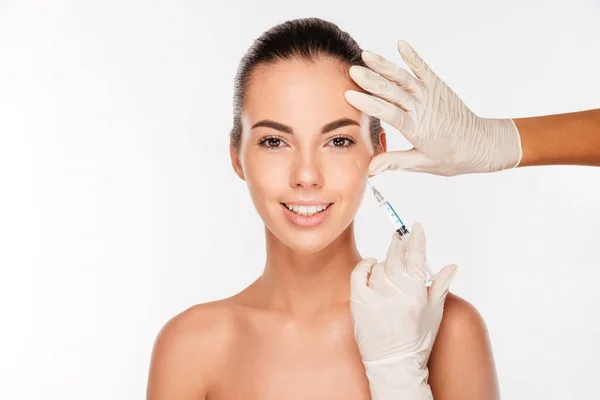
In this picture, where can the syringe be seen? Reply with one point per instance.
(389, 212)
(387, 209)
(394, 219)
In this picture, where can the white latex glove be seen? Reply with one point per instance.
(396, 318)
(448, 138)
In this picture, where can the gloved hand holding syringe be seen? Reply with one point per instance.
(391, 215)
(396, 316)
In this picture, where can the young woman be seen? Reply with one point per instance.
(289, 335)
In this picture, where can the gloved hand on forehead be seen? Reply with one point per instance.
(448, 138)
(396, 318)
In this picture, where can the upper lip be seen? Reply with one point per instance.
(307, 202)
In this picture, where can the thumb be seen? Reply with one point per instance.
(414, 61)
(360, 274)
(412, 160)
(441, 284)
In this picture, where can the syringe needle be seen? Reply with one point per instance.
(360, 170)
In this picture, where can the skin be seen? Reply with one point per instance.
(571, 138)
(290, 333)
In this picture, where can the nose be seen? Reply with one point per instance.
(306, 172)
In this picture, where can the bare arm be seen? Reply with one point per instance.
(461, 365)
(572, 138)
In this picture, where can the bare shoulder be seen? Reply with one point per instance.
(461, 318)
(188, 350)
(461, 363)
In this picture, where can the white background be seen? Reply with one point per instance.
(119, 207)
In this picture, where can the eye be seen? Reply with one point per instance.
(342, 142)
(271, 142)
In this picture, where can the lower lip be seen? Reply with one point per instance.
(307, 221)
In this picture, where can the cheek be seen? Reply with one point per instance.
(344, 177)
(265, 175)
(355, 185)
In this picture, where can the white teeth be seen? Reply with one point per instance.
(306, 210)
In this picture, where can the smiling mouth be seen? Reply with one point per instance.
(306, 211)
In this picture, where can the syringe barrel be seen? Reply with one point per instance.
(391, 215)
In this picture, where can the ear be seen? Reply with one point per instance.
(383, 140)
(235, 161)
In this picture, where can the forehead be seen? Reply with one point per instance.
(298, 92)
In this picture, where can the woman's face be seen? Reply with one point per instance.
(299, 144)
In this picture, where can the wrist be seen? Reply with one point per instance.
(399, 378)
(496, 145)
(530, 155)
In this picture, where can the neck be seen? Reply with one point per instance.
(307, 284)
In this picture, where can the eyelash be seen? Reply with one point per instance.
(261, 142)
(265, 139)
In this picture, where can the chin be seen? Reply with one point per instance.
(303, 241)
(306, 242)
(311, 240)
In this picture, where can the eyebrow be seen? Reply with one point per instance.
(286, 129)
